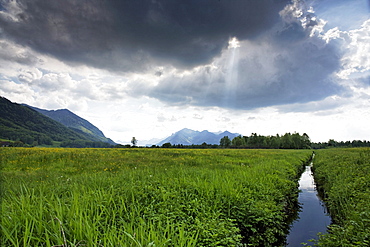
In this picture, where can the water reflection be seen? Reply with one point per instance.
(312, 218)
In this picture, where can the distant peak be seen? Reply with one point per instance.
(63, 110)
(187, 130)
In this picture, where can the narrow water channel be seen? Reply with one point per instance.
(313, 217)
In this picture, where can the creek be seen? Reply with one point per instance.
(312, 218)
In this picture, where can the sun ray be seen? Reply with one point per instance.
(231, 76)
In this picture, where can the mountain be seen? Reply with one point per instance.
(78, 124)
(149, 143)
(18, 122)
(188, 137)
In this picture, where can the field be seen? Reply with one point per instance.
(147, 197)
(343, 176)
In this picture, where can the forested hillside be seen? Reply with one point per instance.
(20, 123)
(71, 120)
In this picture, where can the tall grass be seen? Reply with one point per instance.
(343, 175)
(147, 197)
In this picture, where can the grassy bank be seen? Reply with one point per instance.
(343, 175)
(147, 197)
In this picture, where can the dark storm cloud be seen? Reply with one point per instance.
(279, 61)
(285, 65)
(131, 35)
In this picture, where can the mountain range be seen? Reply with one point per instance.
(30, 126)
(35, 126)
(74, 122)
(188, 137)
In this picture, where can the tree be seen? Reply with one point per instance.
(133, 141)
(225, 142)
(238, 141)
(332, 143)
(253, 139)
(306, 140)
(286, 141)
(166, 145)
(274, 142)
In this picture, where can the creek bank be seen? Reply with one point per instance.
(343, 174)
(313, 216)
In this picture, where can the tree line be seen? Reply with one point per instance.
(347, 144)
(286, 141)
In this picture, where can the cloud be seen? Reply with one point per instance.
(289, 63)
(356, 60)
(10, 87)
(223, 119)
(197, 116)
(30, 75)
(35, 96)
(180, 53)
(328, 106)
(10, 52)
(163, 118)
(130, 35)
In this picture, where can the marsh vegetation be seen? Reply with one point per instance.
(147, 197)
(175, 197)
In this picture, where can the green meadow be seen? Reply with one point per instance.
(148, 197)
(343, 177)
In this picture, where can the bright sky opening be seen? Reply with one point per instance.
(234, 43)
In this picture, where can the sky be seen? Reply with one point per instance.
(149, 68)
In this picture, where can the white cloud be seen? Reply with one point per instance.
(356, 61)
(30, 75)
(17, 92)
(197, 116)
(162, 118)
